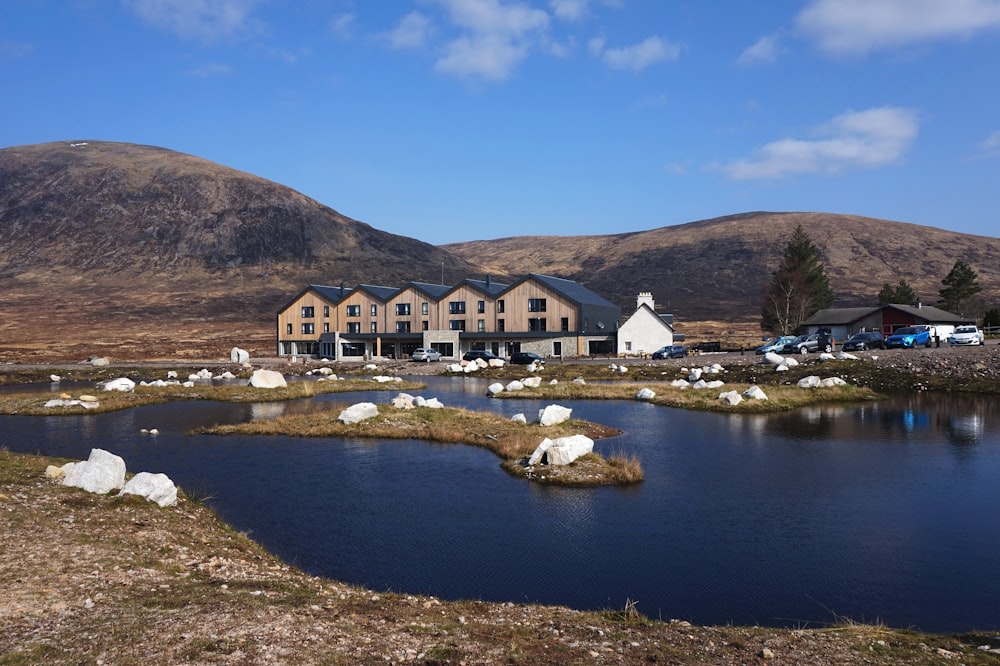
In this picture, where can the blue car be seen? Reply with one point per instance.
(909, 337)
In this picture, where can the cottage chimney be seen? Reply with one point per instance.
(341, 289)
(645, 297)
(489, 281)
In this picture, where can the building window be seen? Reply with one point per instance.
(628, 345)
(481, 325)
(353, 310)
(457, 324)
(374, 327)
(308, 329)
(456, 307)
(402, 309)
(536, 324)
(307, 311)
(326, 310)
(536, 305)
(500, 325)
(557, 348)
(424, 308)
(500, 305)
(354, 327)
(402, 327)
(481, 307)
(374, 310)
(564, 324)
(326, 327)
(425, 325)
(289, 329)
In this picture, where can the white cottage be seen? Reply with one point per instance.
(645, 331)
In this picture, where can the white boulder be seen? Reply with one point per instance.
(497, 362)
(695, 375)
(680, 383)
(101, 473)
(55, 379)
(358, 412)
(755, 393)
(268, 379)
(845, 356)
(237, 355)
(519, 418)
(562, 450)
(731, 398)
(154, 487)
(580, 380)
(773, 358)
(532, 382)
(100, 362)
(120, 384)
(386, 379)
(832, 381)
(812, 381)
(826, 356)
(645, 394)
(515, 385)
(553, 415)
(403, 401)
(494, 388)
(171, 374)
(454, 367)
(431, 403)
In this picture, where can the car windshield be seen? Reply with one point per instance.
(906, 331)
(965, 329)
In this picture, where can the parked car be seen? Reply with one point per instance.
(473, 354)
(817, 342)
(671, 351)
(910, 337)
(863, 341)
(966, 335)
(526, 358)
(425, 354)
(775, 344)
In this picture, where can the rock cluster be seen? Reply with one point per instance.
(103, 472)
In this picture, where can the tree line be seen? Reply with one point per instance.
(799, 288)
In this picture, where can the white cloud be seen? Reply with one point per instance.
(858, 27)
(855, 139)
(412, 32)
(495, 37)
(991, 146)
(342, 25)
(640, 56)
(764, 51)
(196, 19)
(570, 10)
(210, 71)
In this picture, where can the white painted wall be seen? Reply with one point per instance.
(644, 332)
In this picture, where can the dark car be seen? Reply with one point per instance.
(473, 354)
(671, 351)
(863, 341)
(526, 358)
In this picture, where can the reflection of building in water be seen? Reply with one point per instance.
(266, 410)
(967, 429)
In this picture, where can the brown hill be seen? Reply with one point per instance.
(715, 269)
(118, 248)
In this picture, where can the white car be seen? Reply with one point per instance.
(966, 335)
(425, 355)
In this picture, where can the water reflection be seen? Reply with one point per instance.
(883, 510)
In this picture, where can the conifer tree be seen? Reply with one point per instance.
(798, 288)
(901, 293)
(960, 285)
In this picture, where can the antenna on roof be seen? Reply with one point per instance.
(442, 273)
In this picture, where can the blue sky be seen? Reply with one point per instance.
(452, 120)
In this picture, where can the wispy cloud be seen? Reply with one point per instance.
(639, 56)
(859, 27)
(764, 51)
(206, 20)
(855, 139)
(412, 32)
(991, 146)
(210, 71)
(570, 10)
(495, 37)
(342, 25)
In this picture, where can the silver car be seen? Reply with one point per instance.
(966, 335)
(425, 355)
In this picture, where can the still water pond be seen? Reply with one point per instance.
(884, 511)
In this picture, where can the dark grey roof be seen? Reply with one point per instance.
(381, 293)
(929, 313)
(834, 316)
(574, 291)
(486, 286)
(435, 291)
(332, 294)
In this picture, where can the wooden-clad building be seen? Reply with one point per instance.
(546, 315)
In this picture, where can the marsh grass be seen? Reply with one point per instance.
(512, 442)
(34, 403)
(780, 398)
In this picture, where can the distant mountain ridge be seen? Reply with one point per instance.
(716, 268)
(125, 247)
